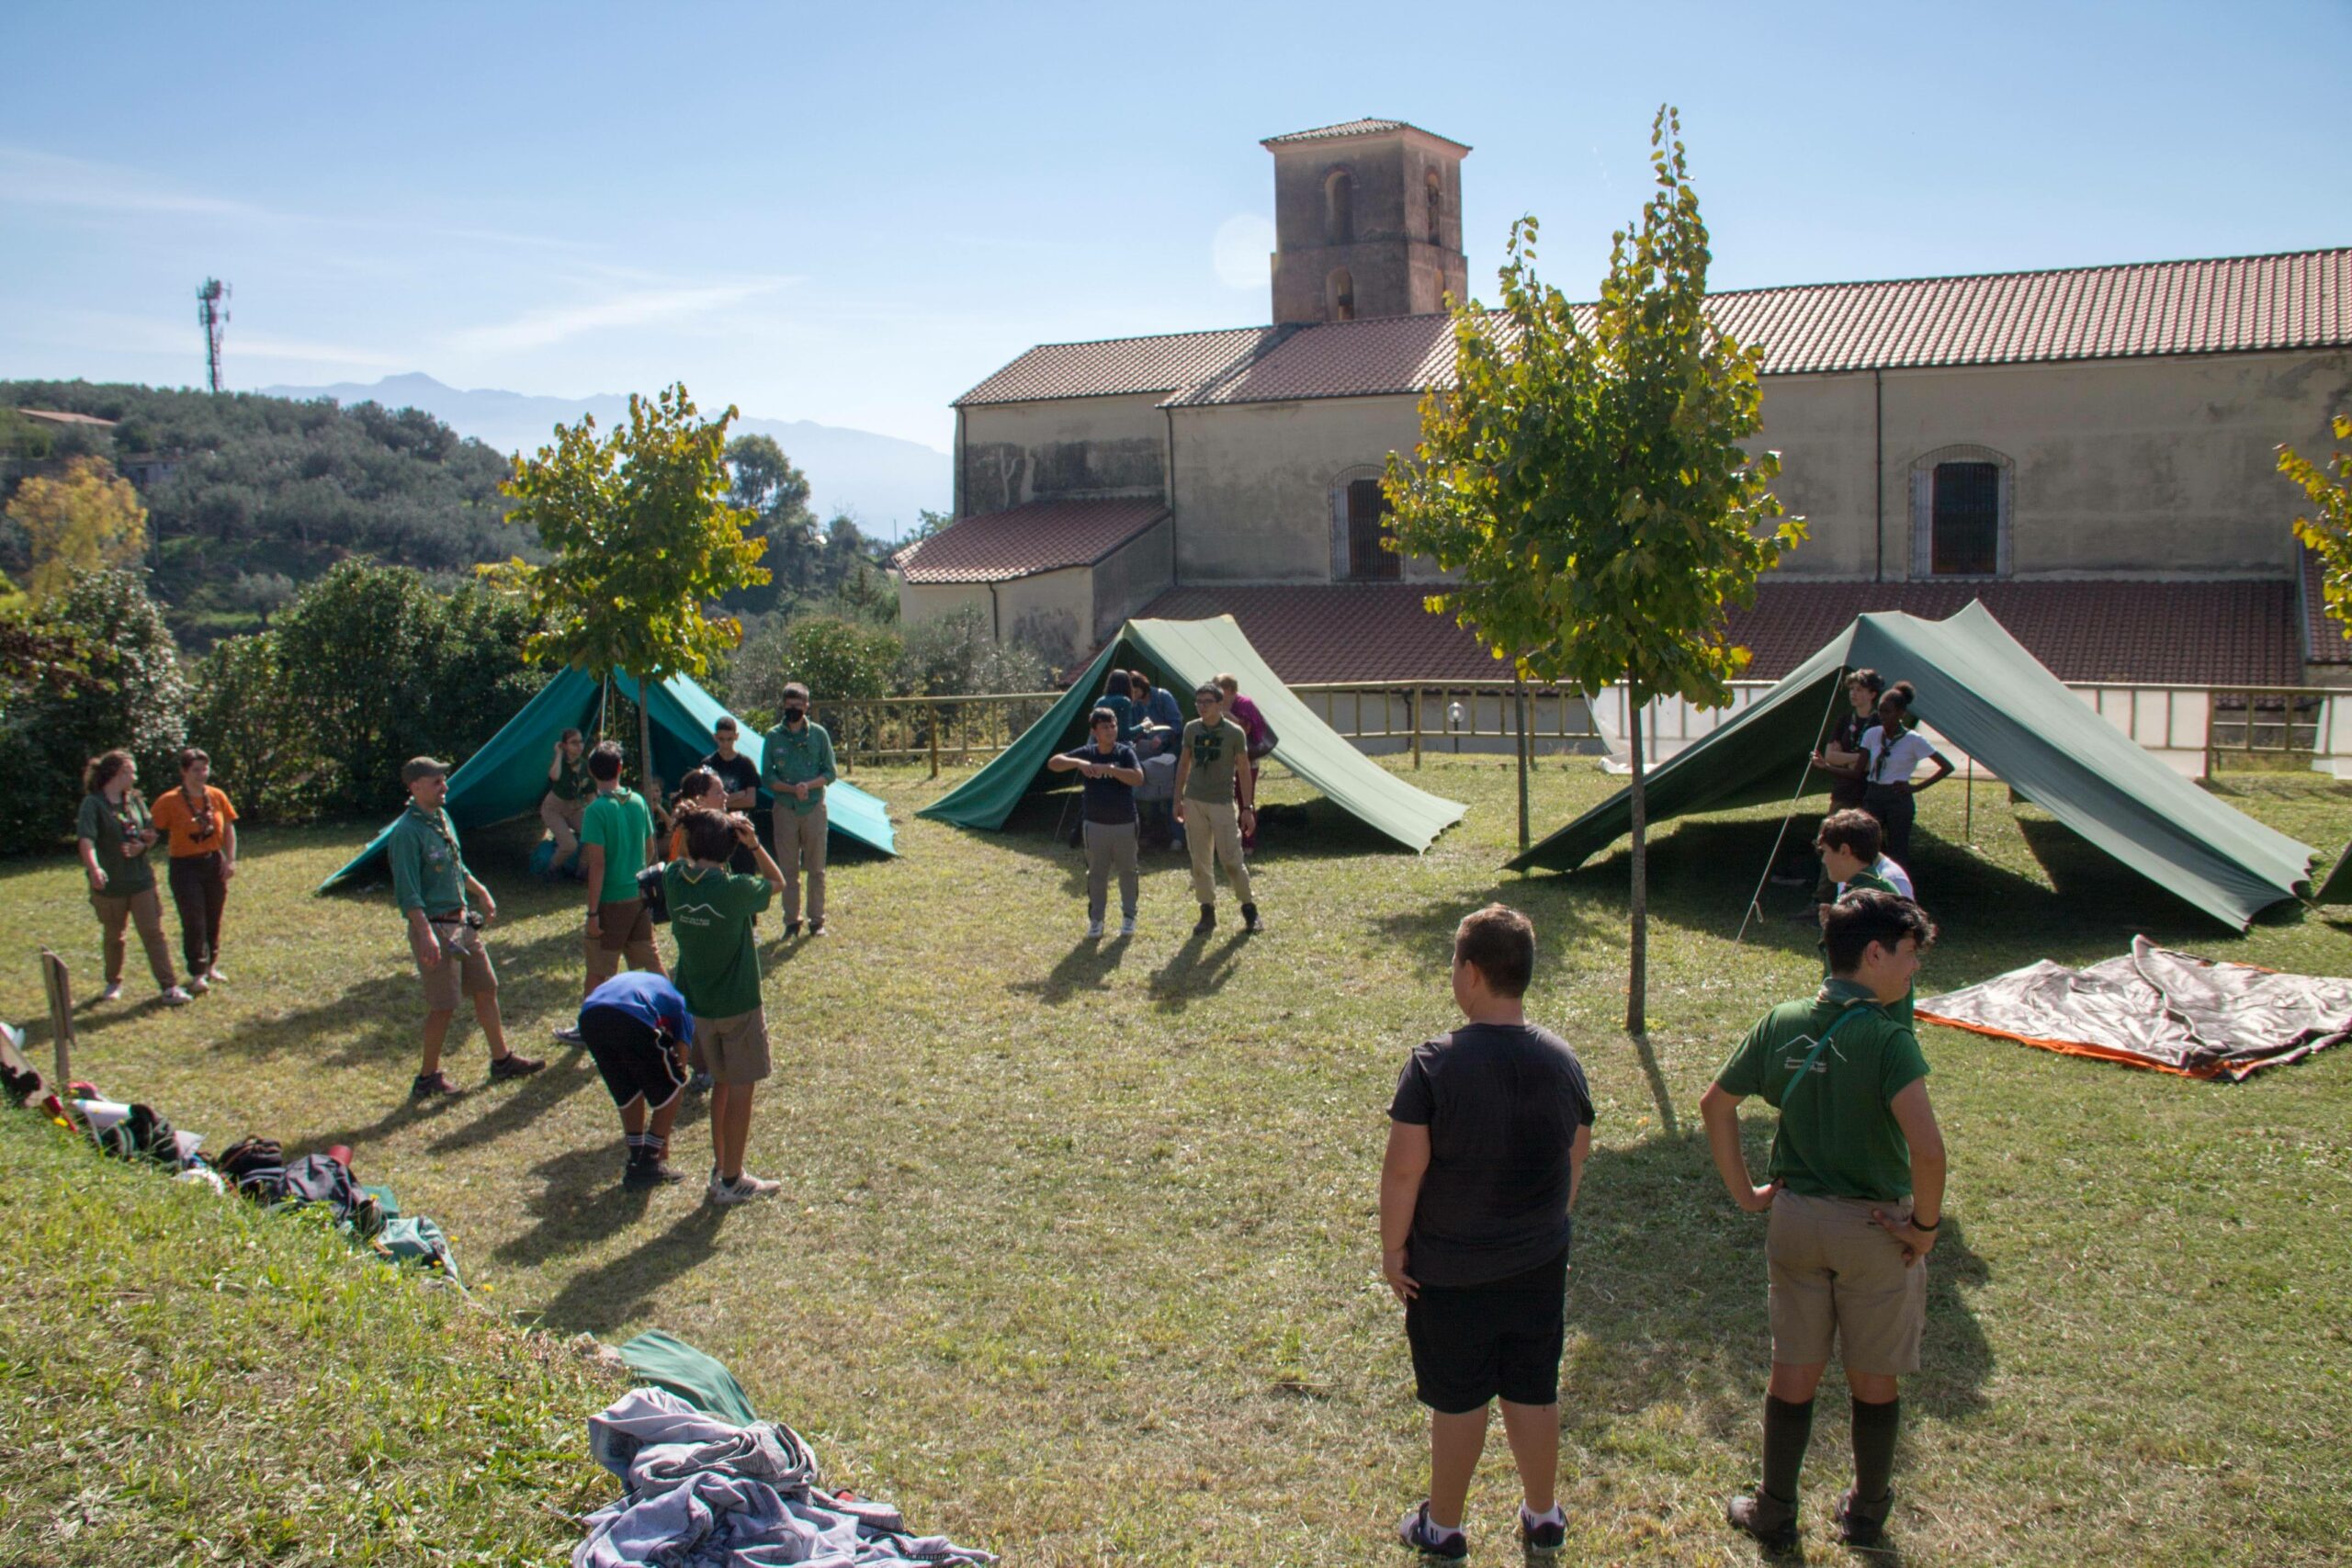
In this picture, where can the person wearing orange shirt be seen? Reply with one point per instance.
(203, 829)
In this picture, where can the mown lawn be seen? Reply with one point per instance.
(1078, 1259)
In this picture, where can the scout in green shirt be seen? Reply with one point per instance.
(615, 843)
(446, 909)
(1849, 844)
(718, 972)
(114, 832)
(797, 767)
(1856, 1197)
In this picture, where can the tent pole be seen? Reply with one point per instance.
(1755, 910)
(604, 705)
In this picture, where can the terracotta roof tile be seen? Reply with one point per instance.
(1042, 536)
(2231, 305)
(1111, 366)
(1355, 128)
(2324, 641)
(2207, 633)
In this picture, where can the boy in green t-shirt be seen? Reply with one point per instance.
(711, 910)
(1856, 1197)
(615, 843)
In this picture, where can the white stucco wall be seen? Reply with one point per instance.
(1252, 483)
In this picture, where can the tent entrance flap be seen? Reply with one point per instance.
(1978, 687)
(508, 776)
(1186, 654)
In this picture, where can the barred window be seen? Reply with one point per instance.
(1967, 520)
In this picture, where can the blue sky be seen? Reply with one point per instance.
(851, 215)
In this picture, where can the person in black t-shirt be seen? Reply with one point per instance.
(737, 772)
(1110, 773)
(1488, 1136)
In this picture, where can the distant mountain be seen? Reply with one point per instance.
(882, 479)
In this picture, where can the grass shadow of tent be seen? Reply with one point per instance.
(1648, 1311)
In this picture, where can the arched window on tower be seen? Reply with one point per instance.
(1434, 192)
(1339, 296)
(1339, 207)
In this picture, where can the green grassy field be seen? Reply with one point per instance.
(1077, 1255)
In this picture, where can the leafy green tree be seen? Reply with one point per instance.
(762, 482)
(1585, 477)
(957, 653)
(645, 542)
(87, 520)
(359, 647)
(2328, 532)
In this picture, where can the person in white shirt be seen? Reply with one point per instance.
(1891, 751)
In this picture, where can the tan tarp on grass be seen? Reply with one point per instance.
(2155, 1007)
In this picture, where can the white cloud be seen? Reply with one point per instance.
(554, 324)
(1239, 251)
(45, 179)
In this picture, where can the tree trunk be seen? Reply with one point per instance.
(1522, 726)
(1637, 979)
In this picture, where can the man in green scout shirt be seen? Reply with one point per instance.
(797, 767)
(1212, 755)
(1856, 1198)
(615, 843)
(711, 910)
(436, 891)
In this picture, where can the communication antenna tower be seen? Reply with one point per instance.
(212, 309)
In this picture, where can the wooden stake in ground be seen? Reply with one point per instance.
(58, 984)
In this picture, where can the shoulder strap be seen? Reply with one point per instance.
(1818, 1046)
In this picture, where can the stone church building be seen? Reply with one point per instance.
(2089, 451)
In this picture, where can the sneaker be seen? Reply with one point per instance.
(112, 993)
(198, 986)
(815, 925)
(175, 997)
(1207, 922)
(215, 975)
(1772, 1522)
(743, 1188)
(568, 1034)
(427, 1085)
(1127, 926)
(791, 930)
(1093, 929)
(1249, 921)
(1860, 1527)
(1789, 879)
(654, 1172)
(1434, 1544)
(513, 1065)
(1542, 1539)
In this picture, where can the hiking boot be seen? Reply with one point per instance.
(1772, 1522)
(112, 993)
(568, 1034)
(1540, 1540)
(1249, 921)
(648, 1172)
(791, 930)
(514, 1065)
(1858, 1526)
(175, 997)
(815, 925)
(1207, 922)
(427, 1085)
(1434, 1544)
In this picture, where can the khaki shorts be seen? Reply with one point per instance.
(1837, 1277)
(464, 970)
(734, 1050)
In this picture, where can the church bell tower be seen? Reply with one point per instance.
(1367, 222)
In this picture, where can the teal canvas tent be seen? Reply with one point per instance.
(1992, 699)
(1186, 654)
(507, 777)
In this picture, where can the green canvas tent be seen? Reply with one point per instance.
(1977, 686)
(1186, 654)
(507, 777)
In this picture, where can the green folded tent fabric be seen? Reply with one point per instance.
(1985, 692)
(2337, 889)
(507, 777)
(1185, 654)
(699, 1380)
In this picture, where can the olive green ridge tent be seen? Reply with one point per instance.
(508, 776)
(1978, 687)
(1187, 654)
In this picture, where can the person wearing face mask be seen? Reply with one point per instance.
(796, 771)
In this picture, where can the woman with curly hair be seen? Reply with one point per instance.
(116, 830)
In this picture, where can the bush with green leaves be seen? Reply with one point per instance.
(126, 690)
(837, 659)
(956, 653)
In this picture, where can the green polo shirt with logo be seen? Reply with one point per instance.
(1836, 1137)
(710, 914)
(429, 872)
(791, 756)
(620, 823)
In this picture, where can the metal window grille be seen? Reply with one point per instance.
(1967, 519)
(1369, 560)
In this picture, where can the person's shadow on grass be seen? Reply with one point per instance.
(1086, 967)
(599, 1300)
(580, 1200)
(1197, 971)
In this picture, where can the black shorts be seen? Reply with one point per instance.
(629, 1051)
(1501, 1339)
